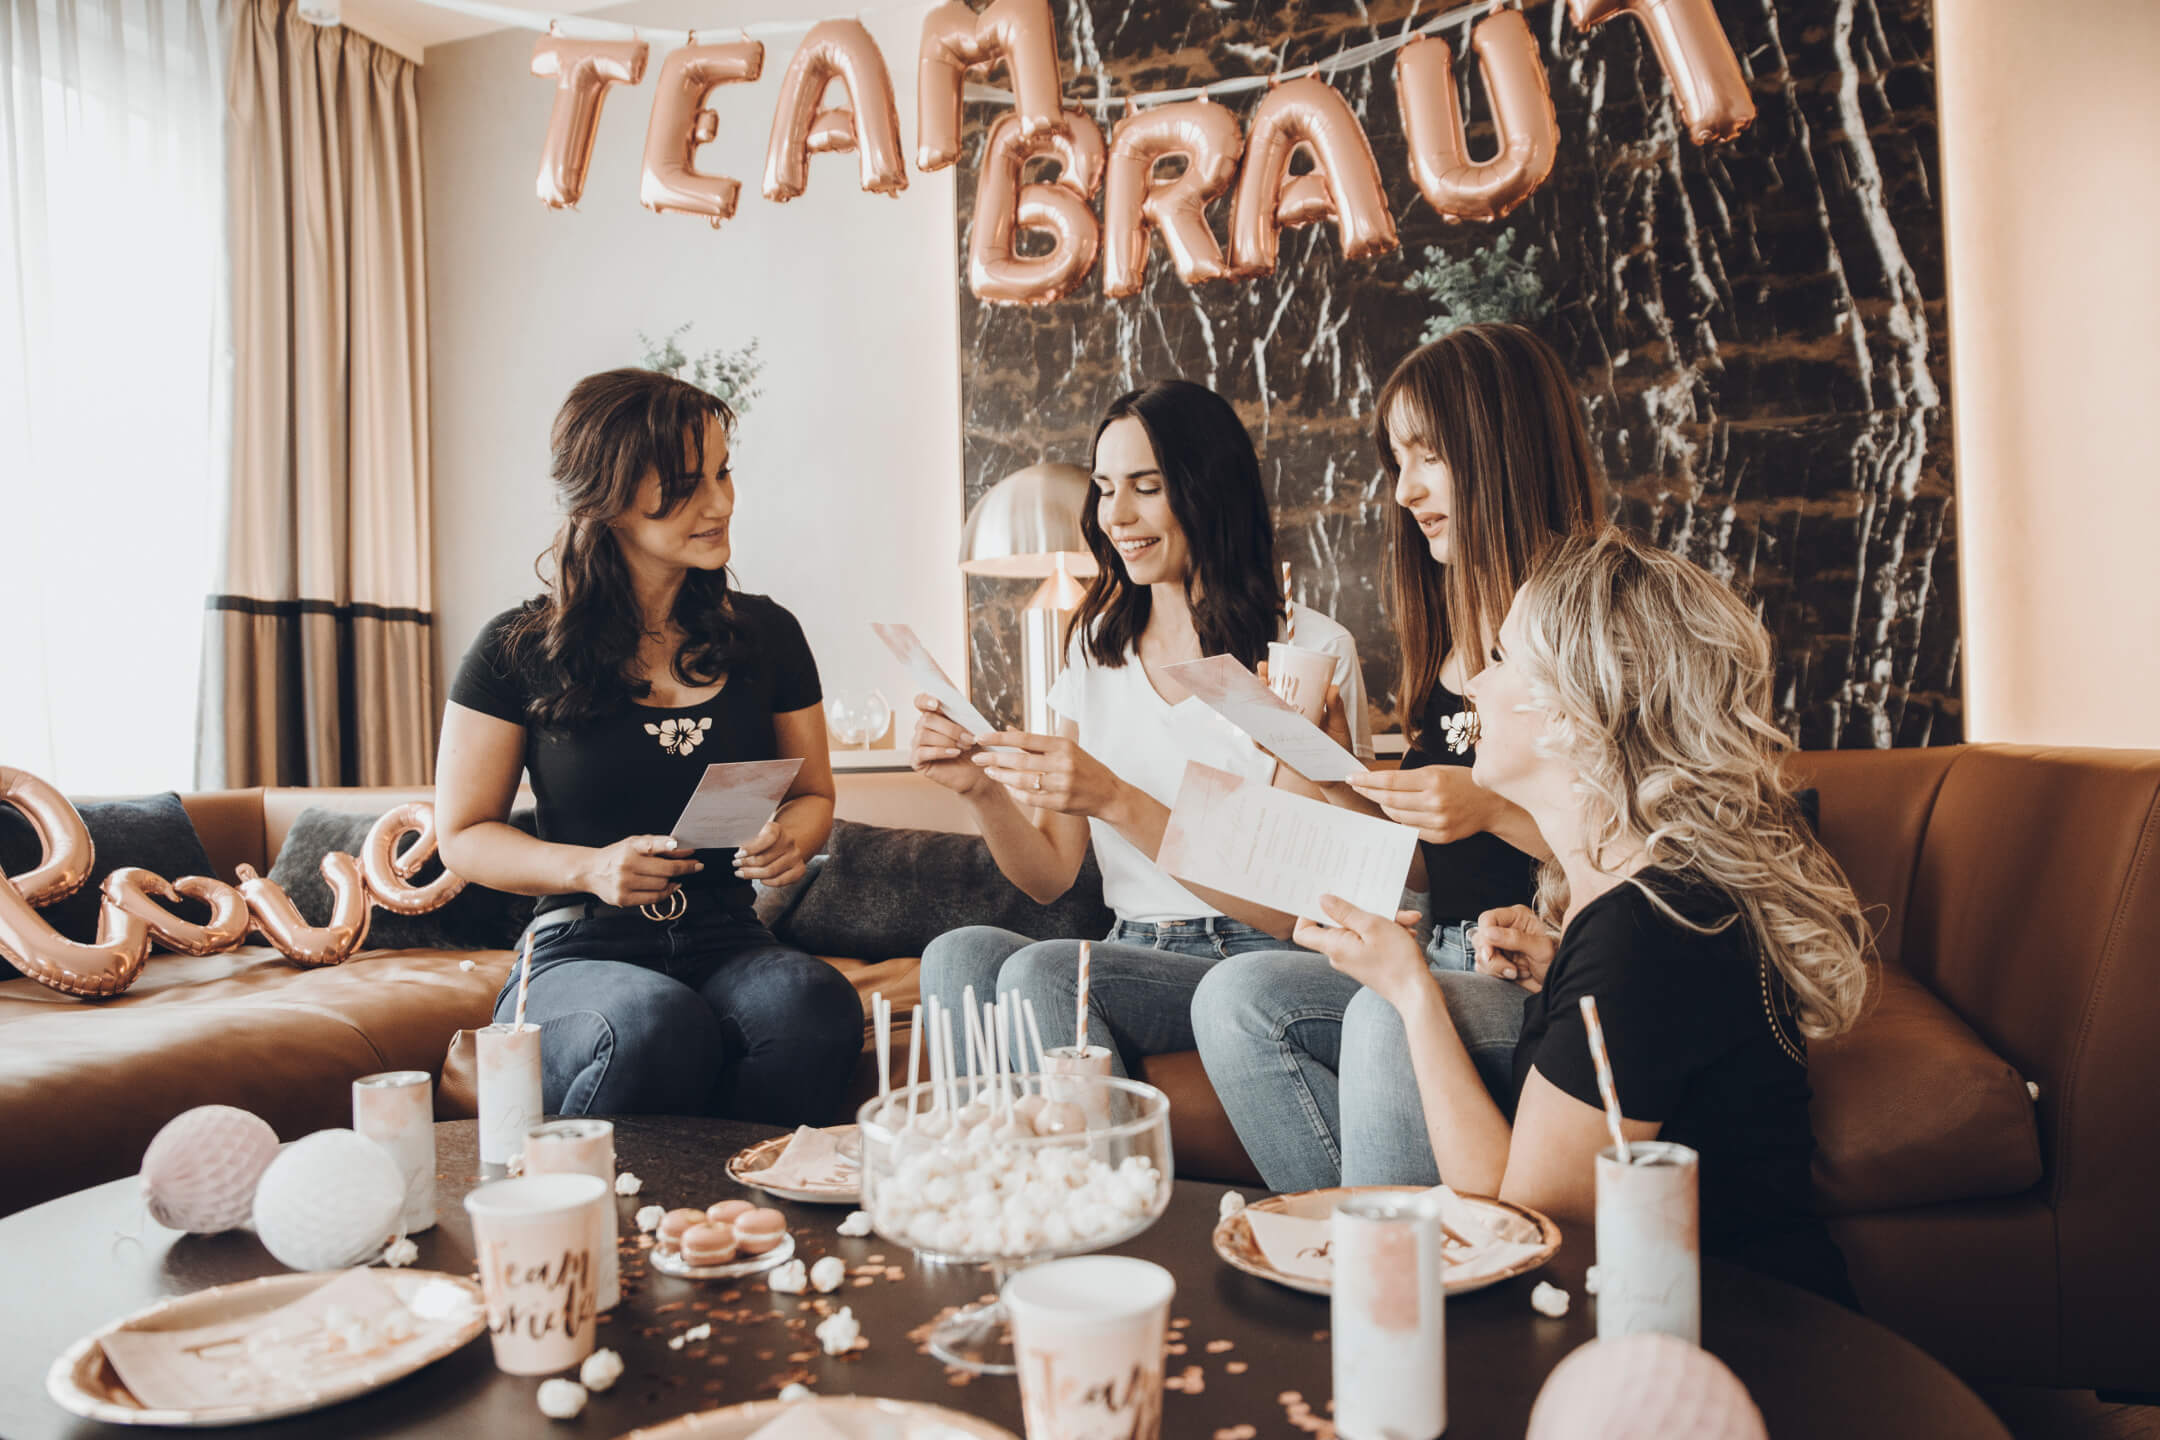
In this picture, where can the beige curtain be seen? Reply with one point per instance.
(318, 652)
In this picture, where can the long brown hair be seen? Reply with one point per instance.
(1494, 404)
(577, 642)
(1211, 477)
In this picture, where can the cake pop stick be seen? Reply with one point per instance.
(881, 1024)
(914, 1059)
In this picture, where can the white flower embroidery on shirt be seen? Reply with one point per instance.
(680, 737)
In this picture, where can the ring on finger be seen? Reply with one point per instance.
(1038, 779)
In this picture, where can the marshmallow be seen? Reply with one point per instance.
(789, 1279)
(628, 1184)
(838, 1333)
(561, 1399)
(468, 966)
(1549, 1300)
(1230, 1204)
(828, 1274)
(856, 1224)
(649, 1218)
(601, 1370)
(402, 1252)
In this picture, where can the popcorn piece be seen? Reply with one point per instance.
(649, 1217)
(1549, 1300)
(856, 1224)
(2032, 1088)
(601, 1370)
(468, 966)
(1591, 1279)
(628, 1184)
(441, 1300)
(1231, 1203)
(828, 1274)
(561, 1399)
(789, 1279)
(697, 1332)
(402, 1252)
(516, 1166)
(795, 1392)
(839, 1332)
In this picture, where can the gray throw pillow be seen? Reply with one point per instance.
(883, 893)
(476, 919)
(153, 832)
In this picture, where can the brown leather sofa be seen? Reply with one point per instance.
(2018, 895)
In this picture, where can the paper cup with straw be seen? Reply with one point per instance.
(507, 1058)
(1649, 1235)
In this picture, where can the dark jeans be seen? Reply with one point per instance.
(706, 1014)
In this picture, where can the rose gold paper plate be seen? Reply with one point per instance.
(1234, 1239)
(859, 1417)
(83, 1382)
(749, 1163)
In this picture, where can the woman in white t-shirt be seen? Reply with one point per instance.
(1186, 552)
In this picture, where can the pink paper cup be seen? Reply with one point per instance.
(1300, 677)
(534, 1240)
(1088, 1340)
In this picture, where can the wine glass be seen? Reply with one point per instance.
(857, 717)
(1007, 1200)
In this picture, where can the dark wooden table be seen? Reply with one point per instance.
(1253, 1352)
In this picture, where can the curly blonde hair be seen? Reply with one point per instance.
(1656, 680)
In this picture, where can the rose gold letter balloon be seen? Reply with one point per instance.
(954, 41)
(680, 123)
(1307, 112)
(1209, 138)
(843, 48)
(387, 872)
(285, 927)
(1698, 60)
(132, 891)
(1454, 185)
(68, 853)
(1004, 207)
(583, 70)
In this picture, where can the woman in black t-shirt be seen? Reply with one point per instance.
(655, 987)
(1482, 436)
(1626, 708)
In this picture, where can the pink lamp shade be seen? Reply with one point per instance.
(1644, 1387)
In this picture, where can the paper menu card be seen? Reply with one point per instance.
(930, 678)
(1239, 696)
(351, 1327)
(732, 802)
(1251, 840)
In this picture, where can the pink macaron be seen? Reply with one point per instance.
(759, 1230)
(708, 1244)
(727, 1212)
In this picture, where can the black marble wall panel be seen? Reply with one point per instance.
(1757, 329)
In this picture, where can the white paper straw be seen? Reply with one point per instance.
(1042, 1061)
(971, 1020)
(914, 1058)
(881, 1023)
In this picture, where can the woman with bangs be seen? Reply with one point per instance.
(655, 987)
(1186, 569)
(1625, 707)
(1482, 434)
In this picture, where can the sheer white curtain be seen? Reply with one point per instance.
(114, 361)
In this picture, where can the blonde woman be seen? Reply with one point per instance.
(1625, 708)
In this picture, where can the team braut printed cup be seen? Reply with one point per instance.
(1300, 677)
(534, 1241)
(1088, 1340)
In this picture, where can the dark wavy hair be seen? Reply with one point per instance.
(577, 641)
(1495, 404)
(1212, 478)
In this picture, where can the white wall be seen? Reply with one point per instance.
(2051, 200)
(848, 466)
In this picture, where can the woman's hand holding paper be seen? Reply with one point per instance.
(1378, 953)
(941, 747)
(1514, 944)
(1441, 802)
(1051, 772)
(772, 858)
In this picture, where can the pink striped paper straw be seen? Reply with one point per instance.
(1603, 1062)
(1289, 620)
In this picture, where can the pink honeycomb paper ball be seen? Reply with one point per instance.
(1644, 1387)
(200, 1172)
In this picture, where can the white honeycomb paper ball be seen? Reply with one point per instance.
(200, 1172)
(1644, 1387)
(329, 1201)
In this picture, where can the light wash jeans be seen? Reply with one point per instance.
(1141, 978)
(1314, 1069)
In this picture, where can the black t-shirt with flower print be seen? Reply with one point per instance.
(631, 772)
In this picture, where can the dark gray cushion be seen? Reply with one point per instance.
(477, 919)
(883, 893)
(153, 832)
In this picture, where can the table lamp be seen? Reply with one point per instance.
(1027, 527)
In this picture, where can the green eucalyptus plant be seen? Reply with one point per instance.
(1489, 284)
(730, 374)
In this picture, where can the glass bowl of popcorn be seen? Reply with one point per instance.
(977, 1174)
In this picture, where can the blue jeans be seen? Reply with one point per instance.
(1314, 1069)
(705, 1014)
(1141, 978)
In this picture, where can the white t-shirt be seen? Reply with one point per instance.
(1127, 725)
